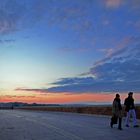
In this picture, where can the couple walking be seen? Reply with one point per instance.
(117, 111)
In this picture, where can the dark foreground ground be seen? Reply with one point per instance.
(44, 125)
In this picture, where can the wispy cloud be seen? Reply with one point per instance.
(77, 49)
(134, 24)
(121, 47)
(7, 41)
(17, 96)
(71, 15)
(40, 90)
(76, 80)
(113, 3)
(66, 15)
(135, 5)
(10, 15)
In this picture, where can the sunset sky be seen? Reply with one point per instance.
(69, 51)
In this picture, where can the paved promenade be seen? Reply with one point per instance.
(37, 125)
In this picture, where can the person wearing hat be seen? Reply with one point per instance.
(130, 109)
(117, 112)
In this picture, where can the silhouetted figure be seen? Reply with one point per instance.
(117, 112)
(12, 107)
(130, 109)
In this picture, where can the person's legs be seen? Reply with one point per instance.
(127, 118)
(120, 124)
(134, 117)
(113, 120)
(111, 123)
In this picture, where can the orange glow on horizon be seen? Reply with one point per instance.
(63, 98)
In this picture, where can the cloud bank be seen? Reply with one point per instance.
(119, 72)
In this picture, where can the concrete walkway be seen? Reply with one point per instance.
(33, 125)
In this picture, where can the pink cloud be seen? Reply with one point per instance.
(113, 3)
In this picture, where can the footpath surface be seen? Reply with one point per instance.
(37, 125)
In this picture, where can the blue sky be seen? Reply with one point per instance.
(70, 45)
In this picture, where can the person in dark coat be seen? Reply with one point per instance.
(117, 112)
(130, 109)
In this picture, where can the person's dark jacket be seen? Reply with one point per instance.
(117, 108)
(129, 104)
